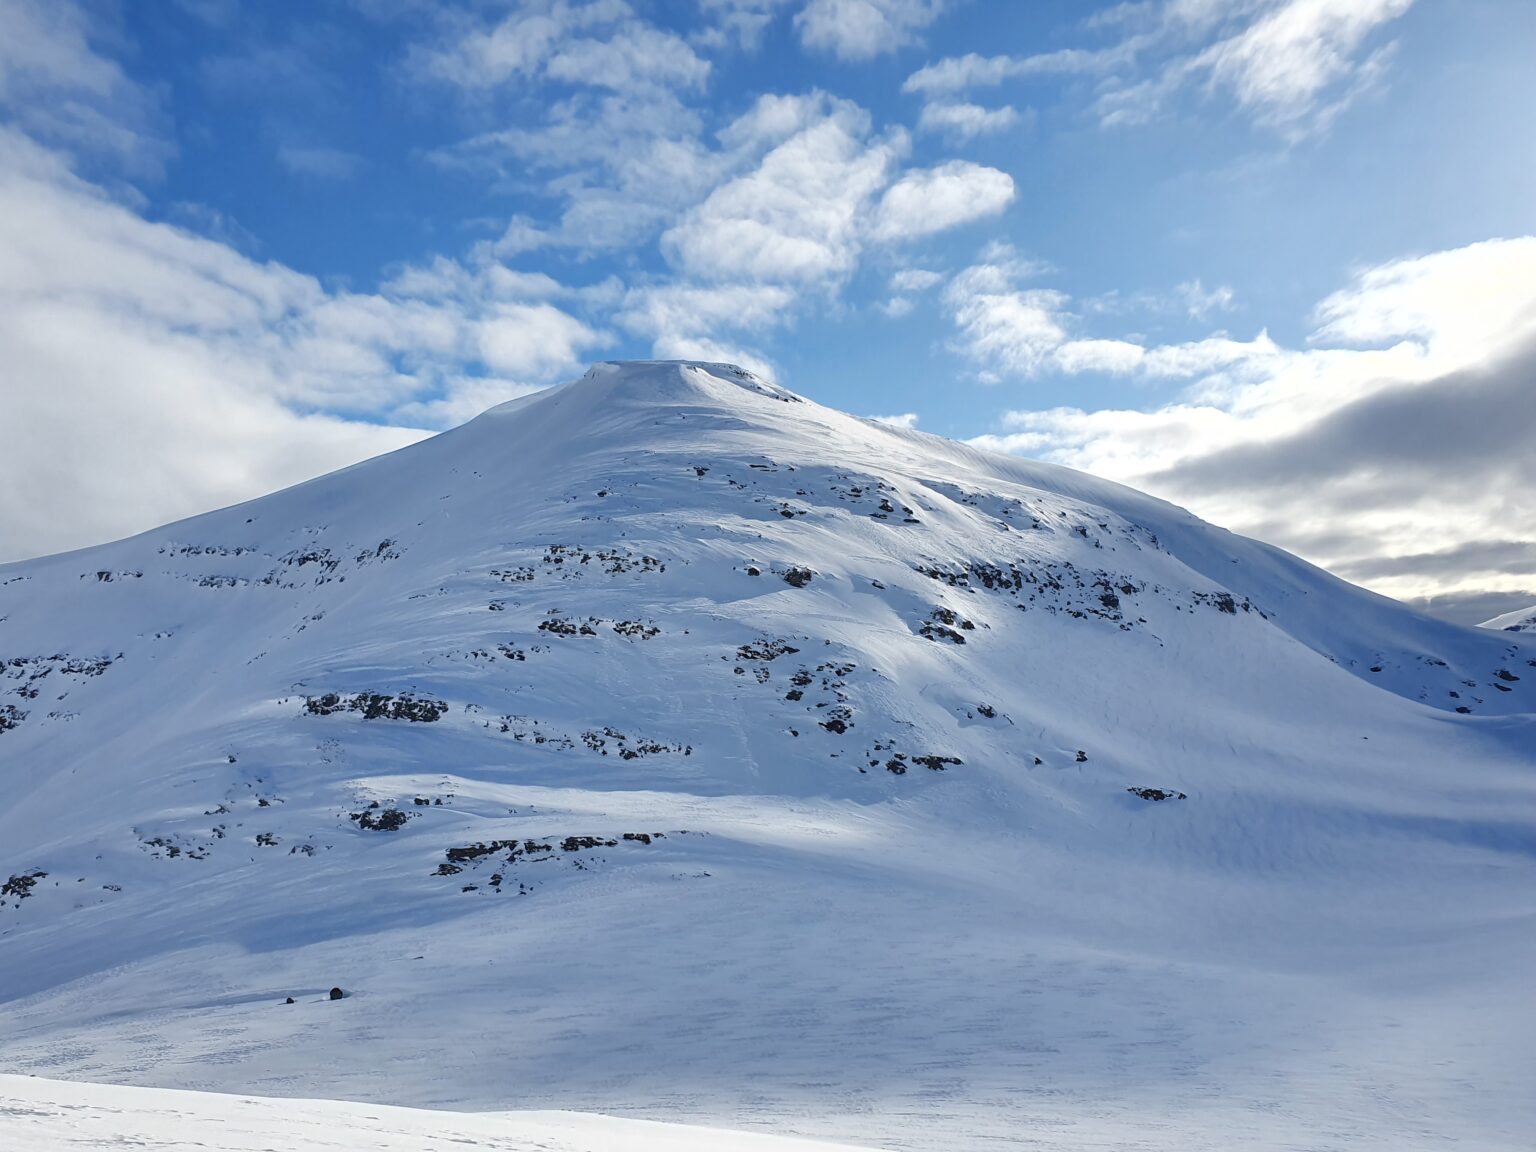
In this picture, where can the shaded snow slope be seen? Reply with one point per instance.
(669, 745)
(46, 1115)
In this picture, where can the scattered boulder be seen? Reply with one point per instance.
(336, 994)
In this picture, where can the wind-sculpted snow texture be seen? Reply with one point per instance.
(668, 745)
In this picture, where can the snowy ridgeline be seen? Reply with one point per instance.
(1520, 620)
(670, 746)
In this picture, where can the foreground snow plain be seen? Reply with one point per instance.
(738, 762)
(49, 1115)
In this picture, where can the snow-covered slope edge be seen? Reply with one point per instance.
(669, 745)
(1520, 620)
(47, 1115)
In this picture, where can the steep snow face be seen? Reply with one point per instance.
(667, 744)
(1520, 620)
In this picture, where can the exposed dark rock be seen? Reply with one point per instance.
(376, 819)
(378, 706)
(936, 763)
(765, 650)
(20, 886)
(578, 843)
(1157, 794)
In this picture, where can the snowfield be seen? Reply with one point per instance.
(47, 1115)
(668, 746)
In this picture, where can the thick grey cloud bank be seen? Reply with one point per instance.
(1397, 449)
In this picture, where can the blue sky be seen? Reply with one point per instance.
(1182, 243)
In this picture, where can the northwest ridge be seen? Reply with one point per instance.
(667, 743)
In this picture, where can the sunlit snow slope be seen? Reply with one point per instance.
(1520, 620)
(668, 745)
(47, 1115)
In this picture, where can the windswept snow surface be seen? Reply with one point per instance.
(740, 762)
(47, 1115)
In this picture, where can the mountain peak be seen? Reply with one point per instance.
(719, 722)
(651, 382)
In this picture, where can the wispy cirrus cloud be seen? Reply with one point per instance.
(1289, 65)
(56, 87)
(962, 120)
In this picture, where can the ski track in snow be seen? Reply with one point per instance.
(889, 888)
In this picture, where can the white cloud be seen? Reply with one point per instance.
(152, 373)
(1115, 357)
(1458, 303)
(1291, 65)
(915, 280)
(1011, 331)
(860, 29)
(1415, 446)
(620, 146)
(735, 22)
(1007, 329)
(929, 200)
(462, 398)
(718, 352)
(966, 121)
(795, 217)
(906, 283)
(531, 340)
(57, 88)
(1282, 66)
(901, 420)
(959, 73)
(599, 43)
(1199, 303)
(633, 57)
(695, 310)
(624, 165)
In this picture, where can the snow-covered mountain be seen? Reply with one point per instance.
(668, 745)
(1520, 620)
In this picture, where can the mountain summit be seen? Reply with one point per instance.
(667, 743)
